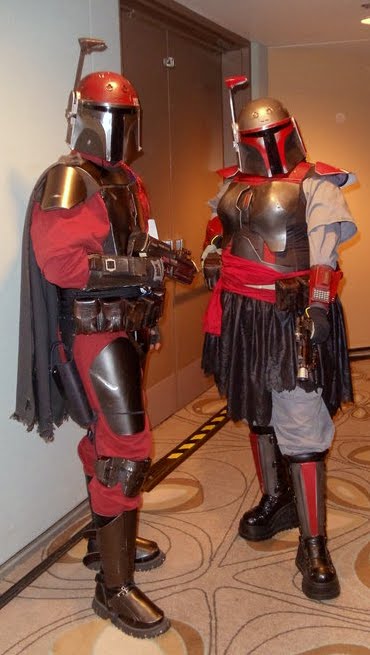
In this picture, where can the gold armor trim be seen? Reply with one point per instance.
(66, 186)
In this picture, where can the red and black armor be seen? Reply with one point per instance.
(104, 118)
(92, 301)
(269, 139)
(274, 332)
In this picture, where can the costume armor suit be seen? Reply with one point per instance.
(90, 305)
(275, 339)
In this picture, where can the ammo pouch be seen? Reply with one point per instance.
(292, 294)
(69, 383)
(114, 314)
(107, 271)
(130, 474)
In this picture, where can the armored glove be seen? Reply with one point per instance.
(323, 289)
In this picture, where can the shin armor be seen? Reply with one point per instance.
(276, 510)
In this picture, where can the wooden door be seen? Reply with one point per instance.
(178, 77)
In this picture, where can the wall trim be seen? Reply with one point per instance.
(359, 353)
(45, 537)
(185, 21)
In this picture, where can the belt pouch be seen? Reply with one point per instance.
(133, 312)
(86, 313)
(303, 295)
(287, 292)
(70, 385)
(112, 314)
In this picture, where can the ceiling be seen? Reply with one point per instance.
(289, 22)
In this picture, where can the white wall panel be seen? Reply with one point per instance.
(39, 49)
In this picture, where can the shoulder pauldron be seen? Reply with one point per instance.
(65, 186)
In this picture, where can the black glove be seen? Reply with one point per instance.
(211, 269)
(320, 324)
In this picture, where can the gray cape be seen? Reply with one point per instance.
(38, 400)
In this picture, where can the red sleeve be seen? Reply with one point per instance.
(63, 238)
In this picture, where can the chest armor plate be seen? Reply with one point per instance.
(119, 192)
(266, 223)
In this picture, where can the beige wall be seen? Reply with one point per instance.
(327, 89)
(39, 53)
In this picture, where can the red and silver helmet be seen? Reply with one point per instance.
(104, 118)
(270, 142)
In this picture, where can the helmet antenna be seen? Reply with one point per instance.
(232, 83)
(87, 46)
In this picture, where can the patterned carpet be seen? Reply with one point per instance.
(223, 595)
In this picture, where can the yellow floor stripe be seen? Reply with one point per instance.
(185, 449)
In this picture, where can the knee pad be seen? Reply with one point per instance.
(129, 473)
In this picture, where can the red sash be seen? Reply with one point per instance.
(236, 274)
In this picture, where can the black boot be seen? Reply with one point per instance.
(276, 510)
(116, 596)
(319, 580)
(147, 556)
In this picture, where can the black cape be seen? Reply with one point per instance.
(39, 403)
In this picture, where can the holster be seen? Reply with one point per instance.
(131, 474)
(292, 294)
(69, 383)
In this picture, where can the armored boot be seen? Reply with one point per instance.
(147, 555)
(276, 510)
(116, 596)
(319, 580)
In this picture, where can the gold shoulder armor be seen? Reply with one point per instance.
(66, 186)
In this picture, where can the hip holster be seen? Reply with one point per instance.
(292, 294)
(69, 383)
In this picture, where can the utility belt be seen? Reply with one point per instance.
(115, 314)
(97, 311)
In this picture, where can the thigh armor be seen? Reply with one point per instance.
(115, 374)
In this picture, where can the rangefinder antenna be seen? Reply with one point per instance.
(87, 46)
(232, 83)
